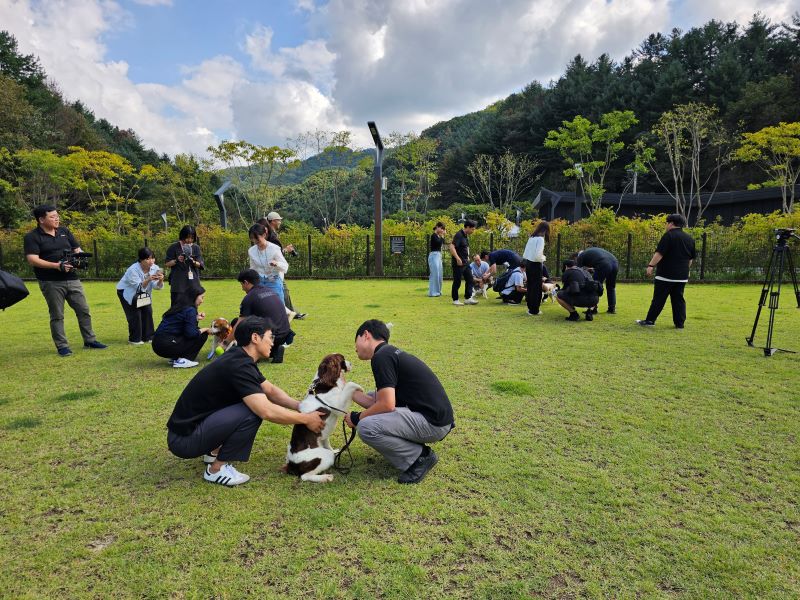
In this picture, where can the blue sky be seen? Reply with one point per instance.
(186, 74)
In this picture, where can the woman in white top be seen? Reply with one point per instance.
(534, 263)
(142, 276)
(267, 260)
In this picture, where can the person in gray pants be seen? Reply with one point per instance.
(409, 410)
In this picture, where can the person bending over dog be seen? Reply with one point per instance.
(575, 291)
(219, 412)
(261, 301)
(409, 410)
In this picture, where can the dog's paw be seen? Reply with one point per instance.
(326, 478)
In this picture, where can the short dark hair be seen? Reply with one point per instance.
(677, 220)
(247, 327)
(42, 210)
(145, 253)
(258, 230)
(438, 224)
(484, 254)
(186, 231)
(470, 223)
(250, 275)
(376, 328)
(568, 264)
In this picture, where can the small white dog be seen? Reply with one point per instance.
(310, 454)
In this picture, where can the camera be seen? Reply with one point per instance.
(78, 260)
(187, 252)
(785, 233)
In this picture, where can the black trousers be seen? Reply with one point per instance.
(608, 277)
(513, 296)
(140, 320)
(661, 291)
(534, 295)
(234, 428)
(177, 346)
(464, 272)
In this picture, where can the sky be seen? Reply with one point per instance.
(186, 74)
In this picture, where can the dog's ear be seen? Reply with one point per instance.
(328, 372)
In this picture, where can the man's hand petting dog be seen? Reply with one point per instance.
(314, 421)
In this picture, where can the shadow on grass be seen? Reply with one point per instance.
(515, 388)
(372, 306)
(22, 423)
(76, 395)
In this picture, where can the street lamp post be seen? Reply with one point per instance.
(378, 190)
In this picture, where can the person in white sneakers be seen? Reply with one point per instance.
(219, 412)
(459, 251)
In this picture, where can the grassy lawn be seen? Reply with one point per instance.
(589, 459)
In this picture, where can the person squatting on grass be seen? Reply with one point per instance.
(178, 337)
(605, 270)
(672, 259)
(481, 276)
(219, 412)
(408, 410)
(574, 291)
(260, 301)
(516, 286)
(459, 251)
(44, 249)
(142, 276)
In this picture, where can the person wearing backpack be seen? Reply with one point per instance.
(605, 270)
(577, 290)
(514, 289)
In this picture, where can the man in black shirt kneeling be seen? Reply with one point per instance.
(408, 410)
(219, 412)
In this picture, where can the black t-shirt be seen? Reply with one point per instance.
(597, 258)
(501, 256)
(677, 248)
(224, 382)
(263, 302)
(272, 237)
(415, 385)
(572, 278)
(461, 243)
(436, 243)
(179, 274)
(50, 248)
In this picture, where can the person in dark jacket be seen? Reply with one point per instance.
(178, 337)
(605, 268)
(573, 291)
(262, 302)
(185, 262)
(672, 260)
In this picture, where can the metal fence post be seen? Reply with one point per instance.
(558, 250)
(703, 257)
(1, 256)
(491, 241)
(96, 260)
(309, 255)
(628, 257)
(367, 256)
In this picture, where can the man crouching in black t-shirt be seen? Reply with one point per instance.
(409, 409)
(220, 410)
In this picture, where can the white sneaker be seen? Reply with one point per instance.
(227, 476)
(470, 300)
(136, 343)
(184, 363)
(457, 303)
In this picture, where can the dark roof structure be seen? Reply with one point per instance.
(728, 206)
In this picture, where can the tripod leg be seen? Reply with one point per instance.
(768, 278)
(774, 299)
(793, 275)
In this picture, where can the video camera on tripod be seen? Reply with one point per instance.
(77, 260)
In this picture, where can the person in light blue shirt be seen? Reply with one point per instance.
(142, 276)
(481, 276)
(516, 287)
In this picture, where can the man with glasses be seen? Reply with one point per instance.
(219, 412)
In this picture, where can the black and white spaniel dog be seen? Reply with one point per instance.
(310, 454)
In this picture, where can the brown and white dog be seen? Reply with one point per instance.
(310, 454)
(220, 329)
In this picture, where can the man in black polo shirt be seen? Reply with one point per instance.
(459, 250)
(44, 250)
(408, 410)
(261, 301)
(672, 259)
(219, 412)
(605, 268)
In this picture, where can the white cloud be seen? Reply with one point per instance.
(741, 11)
(154, 2)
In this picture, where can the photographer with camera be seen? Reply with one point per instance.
(134, 291)
(51, 250)
(273, 222)
(185, 262)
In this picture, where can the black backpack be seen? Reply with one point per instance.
(590, 286)
(501, 283)
(12, 290)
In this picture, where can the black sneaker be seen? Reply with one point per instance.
(645, 323)
(300, 316)
(64, 351)
(417, 471)
(95, 345)
(589, 315)
(612, 311)
(573, 317)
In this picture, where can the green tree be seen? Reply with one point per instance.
(777, 151)
(500, 181)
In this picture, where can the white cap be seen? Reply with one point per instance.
(274, 216)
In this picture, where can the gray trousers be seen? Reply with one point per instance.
(55, 294)
(399, 435)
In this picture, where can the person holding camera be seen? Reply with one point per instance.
(135, 294)
(273, 224)
(178, 336)
(185, 263)
(49, 249)
(672, 259)
(575, 291)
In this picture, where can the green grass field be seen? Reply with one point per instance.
(589, 459)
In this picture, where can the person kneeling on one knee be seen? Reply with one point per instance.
(573, 291)
(409, 410)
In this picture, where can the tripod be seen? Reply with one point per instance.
(781, 256)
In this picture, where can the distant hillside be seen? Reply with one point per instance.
(324, 160)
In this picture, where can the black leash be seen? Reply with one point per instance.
(337, 461)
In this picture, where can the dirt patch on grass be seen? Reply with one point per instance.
(102, 543)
